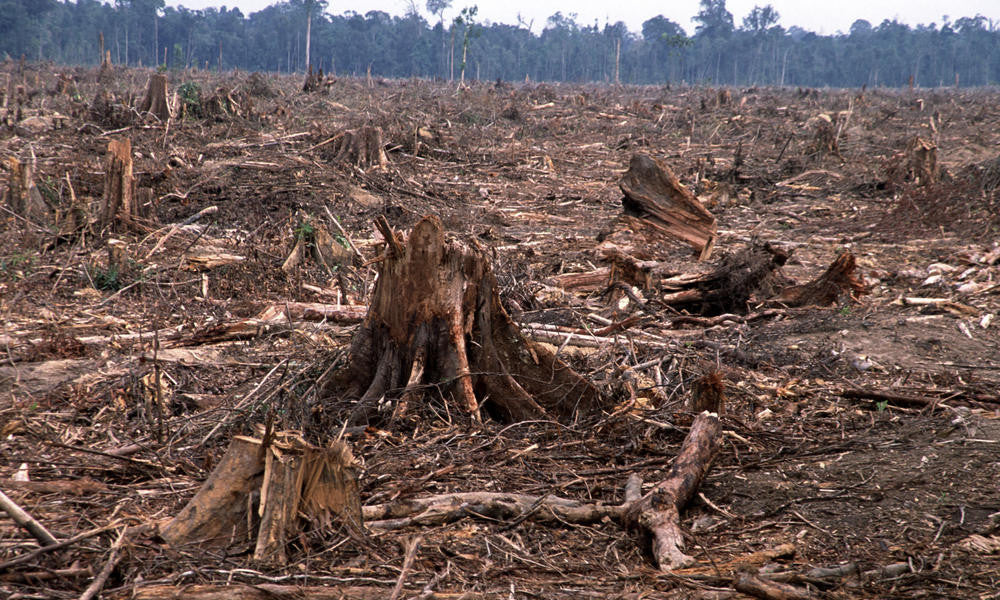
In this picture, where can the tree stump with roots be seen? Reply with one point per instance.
(362, 147)
(435, 325)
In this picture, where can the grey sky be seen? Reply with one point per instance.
(819, 16)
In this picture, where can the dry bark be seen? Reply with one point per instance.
(658, 512)
(435, 321)
(155, 100)
(655, 195)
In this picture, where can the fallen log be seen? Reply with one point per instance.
(435, 320)
(655, 195)
(658, 512)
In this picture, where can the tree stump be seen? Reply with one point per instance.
(287, 479)
(120, 207)
(155, 100)
(362, 147)
(654, 195)
(435, 322)
(22, 196)
(838, 279)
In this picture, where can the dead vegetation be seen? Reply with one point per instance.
(390, 339)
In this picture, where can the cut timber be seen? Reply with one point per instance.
(287, 479)
(120, 208)
(155, 100)
(653, 193)
(838, 279)
(658, 512)
(435, 321)
(362, 147)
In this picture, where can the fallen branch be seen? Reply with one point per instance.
(31, 556)
(22, 518)
(116, 554)
(270, 591)
(659, 510)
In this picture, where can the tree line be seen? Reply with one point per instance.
(451, 43)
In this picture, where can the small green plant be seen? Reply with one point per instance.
(107, 280)
(15, 264)
(189, 94)
(305, 231)
(845, 310)
(881, 405)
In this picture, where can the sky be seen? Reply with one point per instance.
(823, 16)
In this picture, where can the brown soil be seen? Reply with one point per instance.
(532, 172)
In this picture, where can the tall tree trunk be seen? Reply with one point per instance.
(309, 19)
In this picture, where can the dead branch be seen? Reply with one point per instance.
(22, 518)
(838, 279)
(270, 591)
(658, 512)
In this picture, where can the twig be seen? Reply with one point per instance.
(175, 228)
(95, 586)
(22, 518)
(67, 542)
(340, 228)
(411, 553)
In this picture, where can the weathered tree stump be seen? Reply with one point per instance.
(287, 479)
(838, 279)
(22, 195)
(655, 195)
(362, 147)
(155, 100)
(121, 208)
(435, 323)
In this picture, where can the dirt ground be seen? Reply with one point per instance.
(865, 432)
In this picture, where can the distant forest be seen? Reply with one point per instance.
(756, 50)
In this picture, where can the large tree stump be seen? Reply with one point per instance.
(120, 207)
(655, 195)
(155, 100)
(287, 479)
(362, 147)
(435, 322)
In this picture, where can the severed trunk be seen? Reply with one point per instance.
(655, 195)
(120, 208)
(155, 100)
(435, 323)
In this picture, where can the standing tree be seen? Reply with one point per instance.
(467, 20)
(714, 20)
(437, 7)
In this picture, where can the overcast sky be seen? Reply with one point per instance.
(823, 16)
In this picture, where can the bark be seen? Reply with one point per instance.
(758, 587)
(658, 512)
(435, 322)
(22, 195)
(654, 194)
(217, 513)
(155, 100)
